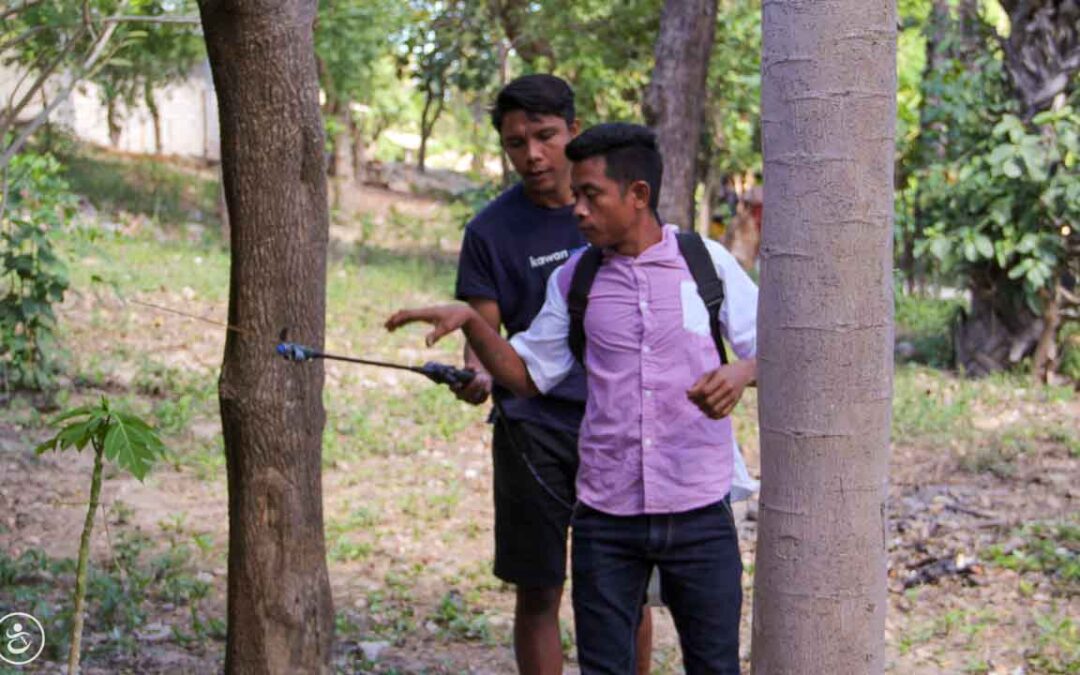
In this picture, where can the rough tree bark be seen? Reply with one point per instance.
(280, 617)
(1042, 52)
(825, 335)
(675, 100)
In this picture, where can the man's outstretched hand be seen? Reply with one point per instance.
(445, 318)
(717, 391)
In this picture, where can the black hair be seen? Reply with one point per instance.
(629, 150)
(536, 94)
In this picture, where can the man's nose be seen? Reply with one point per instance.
(581, 211)
(535, 147)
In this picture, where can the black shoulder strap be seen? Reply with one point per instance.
(709, 285)
(578, 298)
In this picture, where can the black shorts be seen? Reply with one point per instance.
(534, 470)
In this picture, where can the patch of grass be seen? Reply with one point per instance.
(341, 535)
(931, 406)
(1066, 437)
(998, 456)
(1051, 549)
(1057, 646)
(458, 620)
(122, 589)
(168, 193)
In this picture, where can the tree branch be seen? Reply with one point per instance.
(14, 11)
(88, 65)
(13, 112)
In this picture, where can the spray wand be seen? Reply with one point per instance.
(440, 373)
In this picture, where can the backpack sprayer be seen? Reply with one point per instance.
(439, 373)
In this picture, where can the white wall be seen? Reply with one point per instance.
(189, 116)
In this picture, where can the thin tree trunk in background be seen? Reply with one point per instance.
(155, 114)
(280, 616)
(825, 335)
(112, 118)
(675, 100)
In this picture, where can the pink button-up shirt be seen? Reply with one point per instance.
(644, 447)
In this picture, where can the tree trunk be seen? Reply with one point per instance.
(999, 331)
(359, 151)
(155, 114)
(1042, 52)
(112, 119)
(428, 117)
(1045, 359)
(280, 618)
(825, 338)
(675, 100)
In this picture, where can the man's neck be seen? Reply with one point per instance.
(648, 232)
(555, 199)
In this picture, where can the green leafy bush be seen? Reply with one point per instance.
(33, 278)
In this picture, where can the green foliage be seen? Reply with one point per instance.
(350, 41)
(468, 203)
(33, 278)
(447, 47)
(611, 68)
(926, 324)
(1004, 204)
(734, 81)
(125, 439)
(986, 195)
(149, 55)
(133, 581)
(81, 40)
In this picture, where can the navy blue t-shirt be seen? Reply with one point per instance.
(509, 250)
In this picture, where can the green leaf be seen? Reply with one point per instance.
(120, 449)
(971, 254)
(74, 412)
(940, 247)
(1011, 169)
(984, 245)
(132, 444)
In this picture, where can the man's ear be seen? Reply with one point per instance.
(575, 128)
(641, 193)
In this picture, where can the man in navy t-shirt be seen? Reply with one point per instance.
(508, 251)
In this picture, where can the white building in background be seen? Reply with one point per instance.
(188, 109)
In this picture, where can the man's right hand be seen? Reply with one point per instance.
(477, 390)
(445, 319)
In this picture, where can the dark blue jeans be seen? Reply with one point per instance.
(697, 553)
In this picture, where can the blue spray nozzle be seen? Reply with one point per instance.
(291, 351)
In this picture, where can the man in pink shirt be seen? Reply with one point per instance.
(656, 445)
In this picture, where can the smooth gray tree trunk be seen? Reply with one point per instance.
(825, 335)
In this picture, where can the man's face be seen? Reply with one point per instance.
(536, 147)
(605, 211)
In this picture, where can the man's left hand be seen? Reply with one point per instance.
(717, 392)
